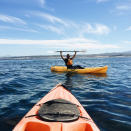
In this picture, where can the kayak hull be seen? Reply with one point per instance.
(93, 70)
(34, 123)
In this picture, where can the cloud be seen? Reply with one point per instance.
(123, 7)
(50, 18)
(100, 1)
(64, 27)
(42, 3)
(99, 29)
(77, 29)
(127, 42)
(11, 19)
(18, 29)
(129, 28)
(71, 44)
(55, 29)
(56, 25)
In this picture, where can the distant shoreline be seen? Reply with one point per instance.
(57, 56)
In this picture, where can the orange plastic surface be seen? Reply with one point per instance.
(35, 124)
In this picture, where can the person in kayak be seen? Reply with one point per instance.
(69, 61)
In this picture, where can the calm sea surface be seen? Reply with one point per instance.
(107, 98)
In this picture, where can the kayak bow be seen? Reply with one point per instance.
(76, 119)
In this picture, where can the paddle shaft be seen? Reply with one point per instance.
(70, 51)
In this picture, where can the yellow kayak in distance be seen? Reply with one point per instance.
(92, 70)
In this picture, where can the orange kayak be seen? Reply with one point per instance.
(59, 110)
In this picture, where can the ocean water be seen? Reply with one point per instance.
(107, 98)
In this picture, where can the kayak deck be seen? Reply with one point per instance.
(34, 123)
(93, 70)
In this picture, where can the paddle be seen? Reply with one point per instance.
(71, 51)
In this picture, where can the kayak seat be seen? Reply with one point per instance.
(36, 126)
(77, 127)
(59, 110)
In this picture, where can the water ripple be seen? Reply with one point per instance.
(106, 98)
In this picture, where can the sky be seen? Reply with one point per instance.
(42, 27)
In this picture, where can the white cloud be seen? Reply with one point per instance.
(77, 30)
(11, 19)
(69, 44)
(18, 29)
(127, 42)
(58, 25)
(50, 18)
(62, 26)
(100, 1)
(42, 3)
(55, 29)
(96, 29)
(123, 7)
(129, 28)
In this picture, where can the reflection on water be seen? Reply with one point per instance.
(68, 82)
(106, 97)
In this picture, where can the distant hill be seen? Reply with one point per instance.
(113, 54)
(118, 54)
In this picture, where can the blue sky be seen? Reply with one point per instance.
(40, 27)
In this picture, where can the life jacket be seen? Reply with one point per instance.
(69, 62)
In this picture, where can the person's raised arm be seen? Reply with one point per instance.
(74, 55)
(61, 55)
